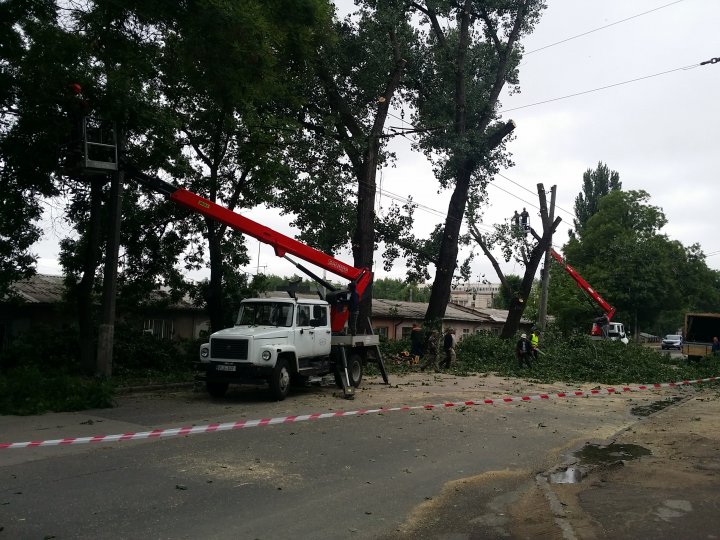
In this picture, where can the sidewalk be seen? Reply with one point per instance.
(671, 494)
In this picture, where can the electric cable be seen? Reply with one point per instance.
(601, 28)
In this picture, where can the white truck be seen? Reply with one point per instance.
(284, 341)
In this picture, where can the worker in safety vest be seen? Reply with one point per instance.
(534, 342)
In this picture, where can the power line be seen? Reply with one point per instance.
(601, 28)
(691, 66)
(531, 205)
(529, 191)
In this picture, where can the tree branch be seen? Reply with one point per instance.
(491, 28)
(481, 242)
(434, 21)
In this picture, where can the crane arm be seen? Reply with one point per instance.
(584, 285)
(282, 244)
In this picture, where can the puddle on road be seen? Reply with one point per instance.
(596, 454)
(647, 410)
(592, 455)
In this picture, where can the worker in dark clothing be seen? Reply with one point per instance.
(353, 308)
(523, 351)
(431, 352)
(416, 343)
(524, 219)
(449, 348)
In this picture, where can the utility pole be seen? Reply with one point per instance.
(542, 315)
(106, 329)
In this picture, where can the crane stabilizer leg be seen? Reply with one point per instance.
(348, 390)
(381, 364)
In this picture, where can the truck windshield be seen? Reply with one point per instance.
(265, 314)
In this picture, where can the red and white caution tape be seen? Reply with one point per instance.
(242, 424)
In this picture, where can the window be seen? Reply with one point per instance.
(382, 331)
(265, 313)
(320, 315)
(303, 316)
(466, 332)
(406, 331)
(160, 328)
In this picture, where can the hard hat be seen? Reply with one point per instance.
(524, 336)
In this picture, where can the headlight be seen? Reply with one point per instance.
(204, 352)
(266, 355)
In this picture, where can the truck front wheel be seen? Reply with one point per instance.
(280, 380)
(216, 389)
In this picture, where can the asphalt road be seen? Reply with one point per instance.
(460, 472)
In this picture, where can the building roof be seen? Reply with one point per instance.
(48, 289)
(416, 310)
(40, 289)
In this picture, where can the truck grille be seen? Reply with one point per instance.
(230, 349)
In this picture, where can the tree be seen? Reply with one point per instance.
(358, 74)
(513, 242)
(470, 51)
(38, 58)
(596, 184)
(398, 289)
(193, 102)
(622, 254)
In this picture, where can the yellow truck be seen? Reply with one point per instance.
(700, 329)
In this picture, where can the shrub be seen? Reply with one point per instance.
(31, 390)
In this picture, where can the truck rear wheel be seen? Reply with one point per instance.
(355, 369)
(216, 389)
(280, 380)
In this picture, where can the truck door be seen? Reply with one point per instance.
(321, 328)
(304, 333)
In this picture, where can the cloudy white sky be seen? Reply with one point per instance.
(660, 133)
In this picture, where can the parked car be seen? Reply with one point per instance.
(672, 341)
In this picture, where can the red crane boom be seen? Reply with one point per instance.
(282, 244)
(584, 285)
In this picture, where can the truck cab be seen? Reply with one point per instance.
(274, 340)
(614, 331)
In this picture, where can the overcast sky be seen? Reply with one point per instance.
(659, 133)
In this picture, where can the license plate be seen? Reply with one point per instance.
(225, 368)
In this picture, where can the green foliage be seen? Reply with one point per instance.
(40, 370)
(44, 347)
(34, 390)
(647, 277)
(574, 360)
(577, 359)
(596, 184)
(136, 352)
(398, 289)
(502, 300)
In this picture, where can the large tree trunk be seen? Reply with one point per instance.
(518, 304)
(447, 258)
(364, 238)
(84, 289)
(214, 293)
